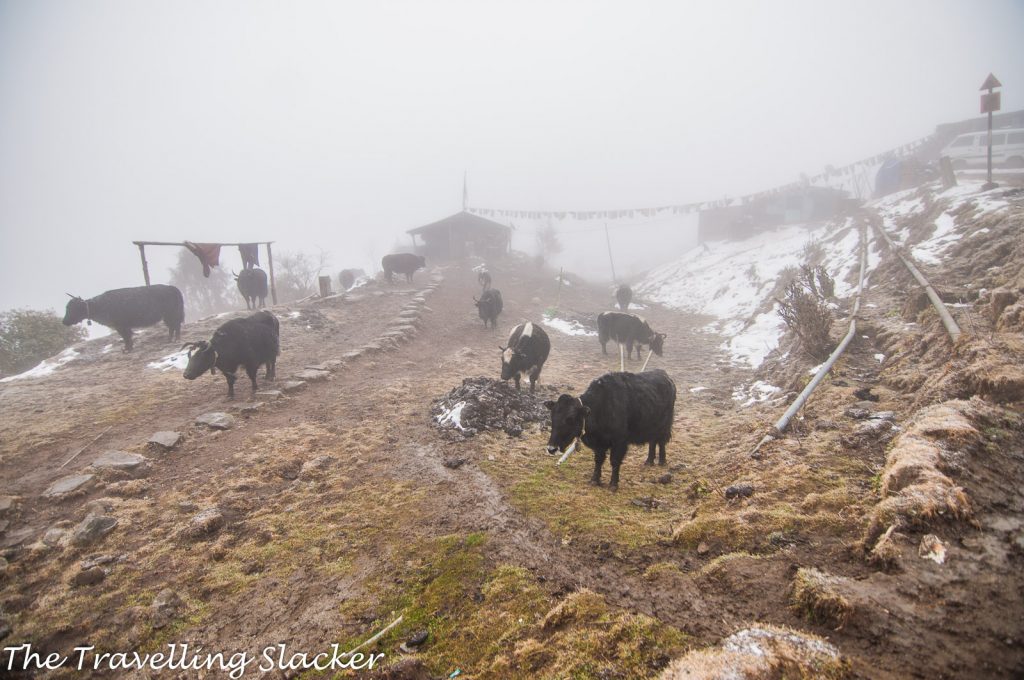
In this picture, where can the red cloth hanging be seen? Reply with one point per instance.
(208, 254)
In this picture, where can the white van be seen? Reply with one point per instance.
(971, 149)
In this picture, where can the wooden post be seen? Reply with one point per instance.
(325, 286)
(270, 266)
(608, 240)
(145, 267)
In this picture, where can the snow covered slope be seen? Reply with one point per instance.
(733, 281)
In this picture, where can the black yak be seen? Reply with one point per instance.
(527, 350)
(124, 309)
(628, 330)
(252, 284)
(250, 342)
(618, 409)
(402, 263)
(489, 306)
(624, 295)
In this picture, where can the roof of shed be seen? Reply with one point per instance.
(461, 219)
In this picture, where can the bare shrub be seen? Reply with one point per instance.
(804, 309)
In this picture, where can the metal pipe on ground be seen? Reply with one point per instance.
(947, 319)
(783, 422)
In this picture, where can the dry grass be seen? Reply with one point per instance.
(817, 597)
(916, 489)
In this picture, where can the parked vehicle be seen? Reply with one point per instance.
(971, 149)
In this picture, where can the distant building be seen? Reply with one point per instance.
(460, 235)
(803, 204)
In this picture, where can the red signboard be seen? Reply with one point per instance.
(990, 102)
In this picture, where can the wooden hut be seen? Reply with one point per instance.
(460, 235)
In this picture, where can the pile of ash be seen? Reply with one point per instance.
(487, 404)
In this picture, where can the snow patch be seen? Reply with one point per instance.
(45, 367)
(930, 251)
(178, 360)
(452, 416)
(567, 326)
(757, 392)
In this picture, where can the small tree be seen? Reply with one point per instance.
(296, 275)
(27, 336)
(804, 309)
(547, 241)
(204, 296)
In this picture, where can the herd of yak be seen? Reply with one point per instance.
(616, 410)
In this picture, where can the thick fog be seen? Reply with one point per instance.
(336, 126)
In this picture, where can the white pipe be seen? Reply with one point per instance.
(801, 399)
(649, 353)
(622, 361)
(947, 319)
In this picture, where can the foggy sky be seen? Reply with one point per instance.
(338, 125)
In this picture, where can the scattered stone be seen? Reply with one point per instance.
(454, 463)
(292, 386)
(872, 428)
(866, 405)
(89, 577)
(54, 536)
(312, 375)
(251, 407)
(932, 548)
(352, 354)
(883, 415)
(269, 395)
(825, 424)
(165, 439)
(665, 478)
(204, 524)
(647, 503)
(411, 646)
(216, 420)
(864, 394)
(741, 490)
(66, 485)
(92, 528)
(315, 465)
(166, 606)
(99, 560)
(856, 413)
(702, 548)
(15, 538)
(328, 365)
(6, 503)
(121, 461)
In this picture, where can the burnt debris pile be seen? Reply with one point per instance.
(481, 403)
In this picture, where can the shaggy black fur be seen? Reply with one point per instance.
(618, 409)
(124, 309)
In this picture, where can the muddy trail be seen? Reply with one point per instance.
(327, 511)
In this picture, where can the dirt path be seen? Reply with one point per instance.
(333, 499)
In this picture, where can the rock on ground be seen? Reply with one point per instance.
(216, 420)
